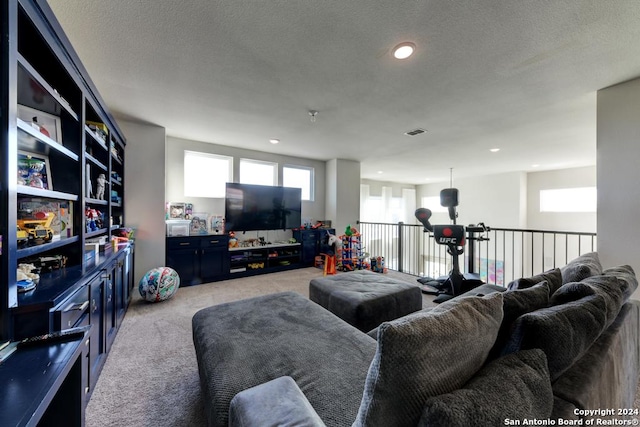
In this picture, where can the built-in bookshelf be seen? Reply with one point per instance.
(62, 185)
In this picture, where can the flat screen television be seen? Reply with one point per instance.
(262, 207)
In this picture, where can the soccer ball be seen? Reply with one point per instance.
(159, 284)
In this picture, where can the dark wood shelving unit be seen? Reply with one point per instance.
(42, 75)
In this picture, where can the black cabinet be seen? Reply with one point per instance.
(198, 259)
(97, 346)
(314, 242)
(246, 261)
(213, 257)
(202, 259)
(110, 312)
(39, 392)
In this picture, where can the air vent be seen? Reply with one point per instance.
(415, 132)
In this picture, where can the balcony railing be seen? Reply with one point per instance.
(499, 255)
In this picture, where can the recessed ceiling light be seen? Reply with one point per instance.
(274, 141)
(404, 50)
(494, 150)
(535, 166)
(379, 172)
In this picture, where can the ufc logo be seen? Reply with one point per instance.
(446, 240)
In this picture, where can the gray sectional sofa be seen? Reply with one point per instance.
(548, 347)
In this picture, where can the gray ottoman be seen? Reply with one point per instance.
(365, 299)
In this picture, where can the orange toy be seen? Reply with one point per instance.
(329, 264)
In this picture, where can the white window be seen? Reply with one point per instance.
(385, 208)
(205, 175)
(299, 177)
(584, 199)
(258, 172)
(433, 204)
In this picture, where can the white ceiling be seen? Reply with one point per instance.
(518, 75)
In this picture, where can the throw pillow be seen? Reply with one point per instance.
(626, 278)
(606, 286)
(515, 304)
(278, 402)
(584, 266)
(553, 278)
(564, 332)
(528, 389)
(425, 354)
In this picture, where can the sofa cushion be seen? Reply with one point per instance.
(515, 304)
(626, 278)
(584, 266)
(553, 278)
(606, 286)
(278, 402)
(606, 376)
(528, 389)
(426, 354)
(564, 332)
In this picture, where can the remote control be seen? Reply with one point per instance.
(55, 337)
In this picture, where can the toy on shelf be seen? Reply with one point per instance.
(22, 237)
(27, 277)
(101, 183)
(99, 130)
(216, 224)
(93, 219)
(127, 232)
(38, 228)
(233, 240)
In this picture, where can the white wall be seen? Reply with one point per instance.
(343, 193)
(565, 221)
(497, 200)
(144, 193)
(618, 151)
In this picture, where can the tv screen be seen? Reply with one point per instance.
(262, 207)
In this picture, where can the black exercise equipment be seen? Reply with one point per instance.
(454, 238)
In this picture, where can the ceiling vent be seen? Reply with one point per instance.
(415, 132)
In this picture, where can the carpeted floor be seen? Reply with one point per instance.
(150, 377)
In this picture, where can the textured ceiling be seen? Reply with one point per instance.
(518, 75)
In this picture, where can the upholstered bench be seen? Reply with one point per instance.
(365, 299)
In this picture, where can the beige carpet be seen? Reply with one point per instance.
(150, 377)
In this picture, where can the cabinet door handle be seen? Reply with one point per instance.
(79, 306)
(185, 244)
(213, 242)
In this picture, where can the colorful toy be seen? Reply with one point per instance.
(350, 231)
(233, 241)
(159, 284)
(38, 228)
(334, 242)
(93, 219)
